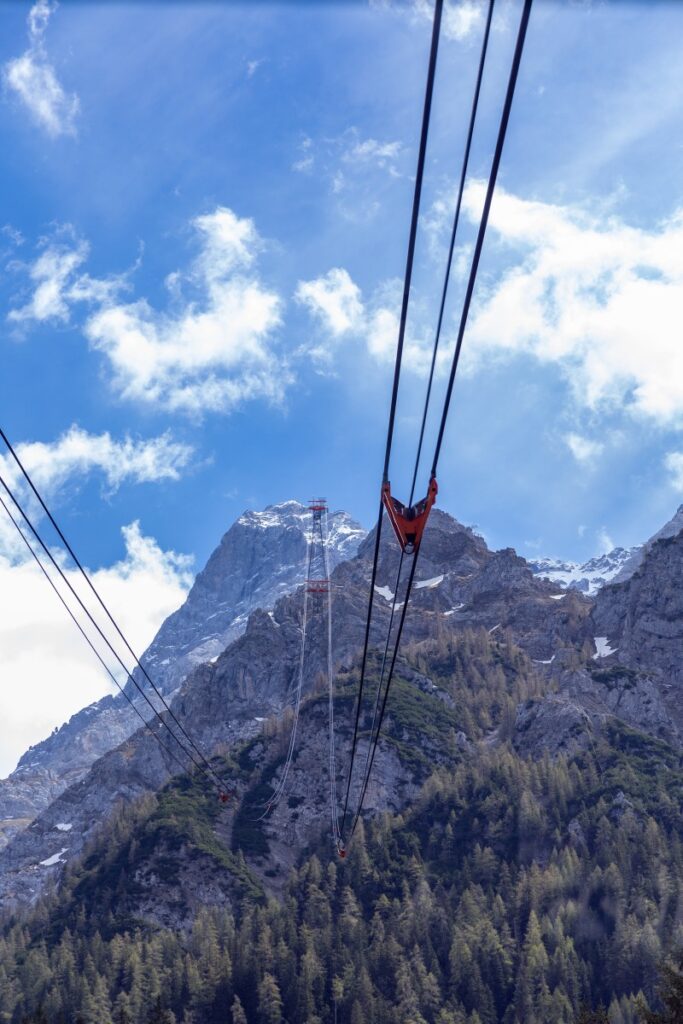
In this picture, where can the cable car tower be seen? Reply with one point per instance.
(318, 573)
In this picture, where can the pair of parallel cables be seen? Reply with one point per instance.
(176, 742)
(421, 511)
(317, 583)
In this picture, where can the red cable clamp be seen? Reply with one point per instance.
(409, 523)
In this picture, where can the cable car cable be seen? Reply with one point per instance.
(456, 221)
(87, 639)
(502, 131)
(109, 615)
(437, 336)
(505, 117)
(211, 775)
(429, 90)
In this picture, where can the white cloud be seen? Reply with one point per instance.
(335, 299)
(48, 671)
(33, 79)
(460, 19)
(605, 542)
(78, 453)
(370, 150)
(52, 276)
(210, 352)
(601, 299)
(582, 448)
(214, 353)
(674, 463)
(253, 66)
(57, 283)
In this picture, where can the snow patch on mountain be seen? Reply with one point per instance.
(602, 648)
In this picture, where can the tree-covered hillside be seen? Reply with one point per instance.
(511, 891)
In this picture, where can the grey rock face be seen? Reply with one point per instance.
(670, 529)
(642, 621)
(554, 724)
(258, 560)
(459, 584)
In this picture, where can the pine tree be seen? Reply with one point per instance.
(269, 1001)
(237, 1012)
(670, 994)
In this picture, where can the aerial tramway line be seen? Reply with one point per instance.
(317, 593)
(408, 520)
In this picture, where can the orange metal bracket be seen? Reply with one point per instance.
(409, 522)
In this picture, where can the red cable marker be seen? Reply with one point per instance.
(409, 522)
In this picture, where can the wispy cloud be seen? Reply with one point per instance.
(383, 154)
(209, 351)
(253, 66)
(355, 168)
(674, 464)
(460, 17)
(584, 450)
(605, 542)
(78, 453)
(33, 79)
(305, 159)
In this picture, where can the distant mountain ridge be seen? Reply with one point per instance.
(588, 577)
(615, 566)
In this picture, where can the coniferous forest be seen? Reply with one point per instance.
(513, 891)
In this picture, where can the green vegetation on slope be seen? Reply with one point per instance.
(511, 892)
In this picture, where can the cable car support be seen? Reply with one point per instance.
(409, 521)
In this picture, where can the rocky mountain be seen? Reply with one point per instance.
(588, 577)
(615, 566)
(670, 529)
(633, 668)
(260, 558)
(461, 586)
(524, 809)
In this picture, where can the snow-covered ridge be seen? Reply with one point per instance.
(616, 566)
(588, 577)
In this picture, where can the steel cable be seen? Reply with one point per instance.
(87, 639)
(417, 195)
(210, 775)
(48, 513)
(502, 131)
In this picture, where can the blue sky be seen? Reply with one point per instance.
(204, 213)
